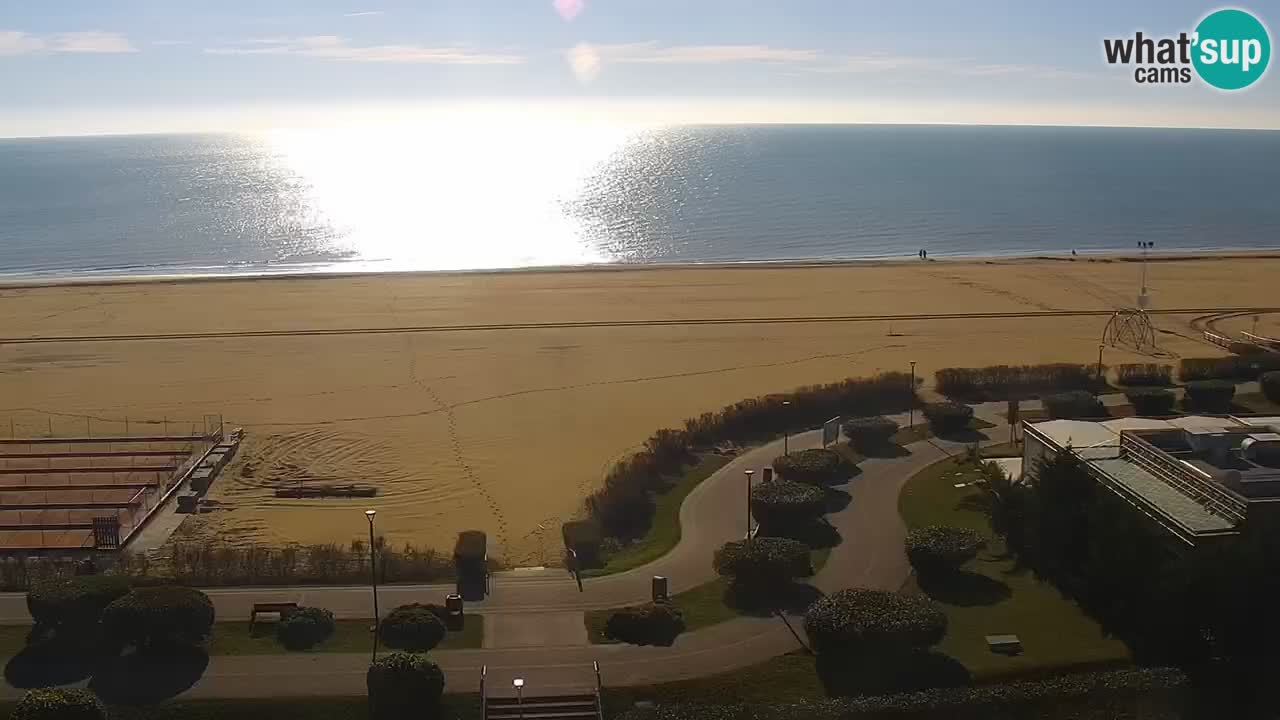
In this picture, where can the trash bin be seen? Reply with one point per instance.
(659, 588)
(453, 606)
(768, 474)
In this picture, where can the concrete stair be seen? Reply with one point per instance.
(552, 707)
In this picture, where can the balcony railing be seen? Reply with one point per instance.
(1197, 485)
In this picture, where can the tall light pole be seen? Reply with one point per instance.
(373, 580)
(749, 473)
(1099, 379)
(1144, 245)
(911, 405)
(786, 418)
(518, 684)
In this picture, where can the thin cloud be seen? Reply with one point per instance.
(658, 54)
(170, 43)
(885, 63)
(364, 13)
(84, 42)
(333, 47)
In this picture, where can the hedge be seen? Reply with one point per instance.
(1233, 367)
(650, 624)
(154, 617)
(939, 548)
(787, 504)
(624, 505)
(59, 704)
(1131, 692)
(1211, 395)
(1144, 374)
(1151, 400)
(1073, 404)
(763, 562)
(1011, 382)
(870, 432)
(861, 620)
(74, 601)
(404, 685)
(584, 538)
(1270, 382)
(946, 417)
(413, 627)
(305, 628)
(816, 466)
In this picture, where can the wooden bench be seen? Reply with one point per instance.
(280, 608)
(1004, 644)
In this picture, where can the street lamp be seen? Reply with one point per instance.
(373, 580)
(911, 405)
(518, 684)
(786, 418)
(749, 473)
(1144, 245)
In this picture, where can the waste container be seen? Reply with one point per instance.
(453, 610)
(659, 588)
(768, 474)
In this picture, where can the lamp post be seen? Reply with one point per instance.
(1144, 245)
(518, 684)
(911, 405)
(1099, 379)
(373, 580)
(786, 419)
(749, 473)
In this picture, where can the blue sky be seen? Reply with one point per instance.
(87, 66)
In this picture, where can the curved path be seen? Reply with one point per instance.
(545, 606)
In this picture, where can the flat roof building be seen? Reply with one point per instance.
(1199, 477)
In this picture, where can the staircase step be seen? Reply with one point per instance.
(543, 700)
(530, 714)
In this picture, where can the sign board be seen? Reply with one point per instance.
(830, 431)
(1013, 412)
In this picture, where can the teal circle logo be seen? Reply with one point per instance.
(1232, 49)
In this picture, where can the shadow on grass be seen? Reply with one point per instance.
(792, 598)
(964, 435)
(149, 678)
(52, 661)
(882, 450)
(817, 534)
(963, 588)
(878, 673)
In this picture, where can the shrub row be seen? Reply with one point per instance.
(1118, 693)
(649, 624)
(59, 704)
(1151, 401)
(159, 617)
(74, 602)
(784, 504)
(870, 432)
(404, 685)
(1232, 367)
(414, 627)
(764, 562)
(1144, 374)
(1270, 382)
(1211, 395)
(999, 382)
(623, 507)
(817, 466)
(1073, 404)
(305, 628)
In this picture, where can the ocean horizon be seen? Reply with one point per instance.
(498, 197)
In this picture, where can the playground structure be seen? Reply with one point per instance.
(1130, 328)
(85, 493)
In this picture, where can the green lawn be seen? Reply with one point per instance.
(784, 679)
(235, 638)
(664, 533)
(1000, 598)
(455, 707)
(922, 431)
(701, 606)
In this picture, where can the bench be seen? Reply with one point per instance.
(280, 608)
(1004, 644)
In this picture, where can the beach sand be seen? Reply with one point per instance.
(507, 430)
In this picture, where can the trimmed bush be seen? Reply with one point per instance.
(648, 624)
(948, 417)
(1151, 400)
(787, 504)
(414, 627)
(1270, 382)
(870, 432)
(1211, 395)
(1150, 374)
(157, 617)
(816, 467)
(305, 628)
(584, 538)
(764, 563)
(75, 601)
(861, 620)
(1244, 348)
(1012, 382)
(59, 704)
(1073, 404)
(1251, 367)
(404, 685)
(940, 548)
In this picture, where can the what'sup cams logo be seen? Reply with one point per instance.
(1229, 50)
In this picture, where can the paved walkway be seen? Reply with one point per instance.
(544, 608)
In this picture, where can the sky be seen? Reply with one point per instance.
(114, 66)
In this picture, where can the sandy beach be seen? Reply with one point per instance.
(505, 430)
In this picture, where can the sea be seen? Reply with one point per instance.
(488, 196)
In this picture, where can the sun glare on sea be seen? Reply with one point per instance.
(455, 195)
